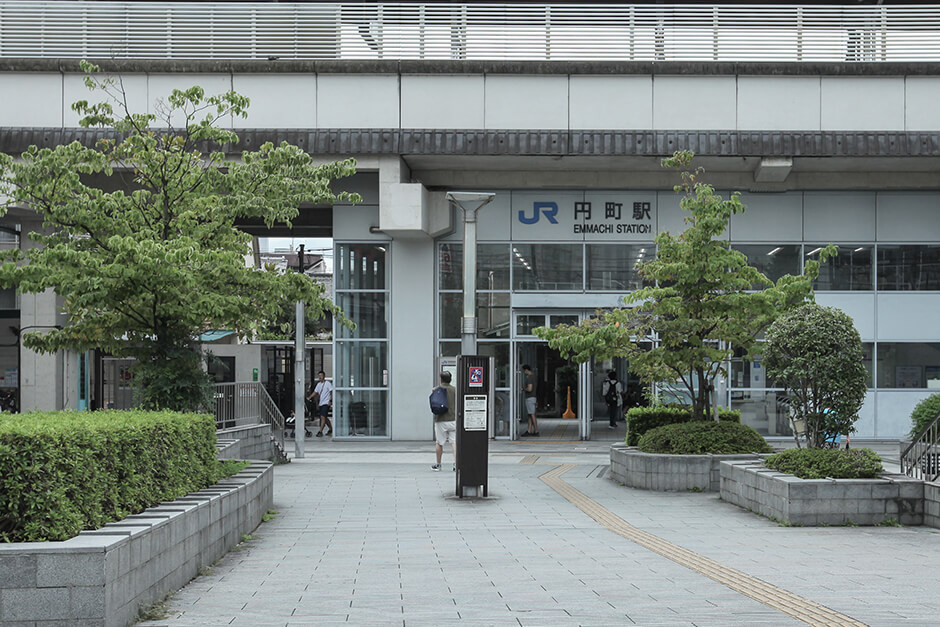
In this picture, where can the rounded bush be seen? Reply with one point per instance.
(702, 438)
(814, 463)
(924, 413)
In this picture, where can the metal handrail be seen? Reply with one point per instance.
(247, 403)
(921, 459)
(490, 31)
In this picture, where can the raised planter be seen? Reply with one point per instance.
(664, 473)
(102, 577)
(813, 502)
(246, 442)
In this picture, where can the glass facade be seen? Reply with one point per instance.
(514, 268)
(548, 267)
(774, 261)
(361, 376)
(908, 267)
(909, 365)
(613, 268)
(850, 270)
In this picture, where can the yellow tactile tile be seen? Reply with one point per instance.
(802, 609)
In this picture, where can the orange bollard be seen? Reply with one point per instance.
(568, 413)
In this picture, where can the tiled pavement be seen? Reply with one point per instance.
(367, 535)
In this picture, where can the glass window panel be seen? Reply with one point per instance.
(500, 351)
(908, 267)
(369, 310)
(749, 372)
(492, 314)
(361, 364)
(8, 297)
(360, 413)
(908, 365)
(613, 267)
(492, 266)
(851, 269)
(569, 320)
(768, 413)
(547, 267)
(526, 324)
(360, 267)
(773, 260)
(450, 349)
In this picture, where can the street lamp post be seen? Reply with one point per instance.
(470, 203)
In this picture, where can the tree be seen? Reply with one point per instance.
(143, 269)
(816, 354)
(701, 301)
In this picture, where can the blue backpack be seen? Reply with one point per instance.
(439, 401)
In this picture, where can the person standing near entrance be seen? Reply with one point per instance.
(612, 391)
(528, 387)
(324, 395)
(445, 425)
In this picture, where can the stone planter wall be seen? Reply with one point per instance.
(932, 505)
(649, 471)
(247, 442)
(100, 578)
(813, 502)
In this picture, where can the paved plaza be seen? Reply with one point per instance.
(367, 534)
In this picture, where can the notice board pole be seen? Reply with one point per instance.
(474, 388)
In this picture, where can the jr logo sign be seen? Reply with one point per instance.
(550, 209)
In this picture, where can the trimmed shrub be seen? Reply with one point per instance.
(815, 353)
(63, 472)
(642, 419)
(924, 413)
(814, 463)
(702, 438)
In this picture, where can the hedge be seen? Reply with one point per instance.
(642, 419)
(62, 472)
(702, 438)
(820, 463)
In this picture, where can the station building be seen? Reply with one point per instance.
(831, 134)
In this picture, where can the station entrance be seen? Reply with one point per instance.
(569, 402)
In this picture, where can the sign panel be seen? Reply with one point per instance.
(476, 377)
(474, 412)
(614, 216)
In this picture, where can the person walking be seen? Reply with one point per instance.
(612, 391)
(528, 387)
(323, 393)
(445, 424)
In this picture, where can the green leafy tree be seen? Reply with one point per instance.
(701, 301)
(816, 354)
(142, 269)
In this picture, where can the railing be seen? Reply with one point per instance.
(249, 403)
(359, 30)
(921, 459)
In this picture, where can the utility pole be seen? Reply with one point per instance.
(300, 350)
(470, 203)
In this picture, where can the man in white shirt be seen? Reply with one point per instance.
(324, 395)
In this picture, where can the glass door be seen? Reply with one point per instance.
(546, 392)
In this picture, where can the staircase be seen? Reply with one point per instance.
(248, 403)
(921, 460)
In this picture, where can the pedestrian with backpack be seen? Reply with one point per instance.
(612, 391)
(443, 400)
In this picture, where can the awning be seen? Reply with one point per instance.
(212, 336)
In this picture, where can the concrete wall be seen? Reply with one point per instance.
(666, 473)
(248, 442)
(812, 502)
(495, 100)
(100, 578)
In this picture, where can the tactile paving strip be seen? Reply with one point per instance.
(796, 606)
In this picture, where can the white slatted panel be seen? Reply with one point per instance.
(231, 31)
